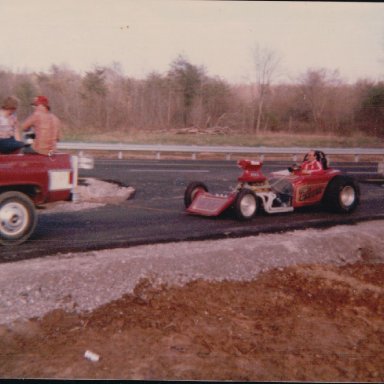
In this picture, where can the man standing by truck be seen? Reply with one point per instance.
(45, 124)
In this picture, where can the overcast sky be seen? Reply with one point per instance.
(146, 36)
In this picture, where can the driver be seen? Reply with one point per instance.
(311, 164)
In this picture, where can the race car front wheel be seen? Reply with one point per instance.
(17, 218)
(192, 190)
(245, 204)
(342, 194)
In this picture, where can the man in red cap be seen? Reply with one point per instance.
(45, 125)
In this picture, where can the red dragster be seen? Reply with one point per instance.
(28, 180)
(281, 192)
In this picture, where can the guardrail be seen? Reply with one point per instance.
(158, 149)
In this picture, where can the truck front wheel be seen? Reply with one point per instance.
(18, 218)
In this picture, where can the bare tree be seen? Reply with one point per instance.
(318, 87)
(266, 62)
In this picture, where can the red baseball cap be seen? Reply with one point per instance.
(41, 100)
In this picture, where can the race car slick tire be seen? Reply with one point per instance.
(245, 204)
(192, 189)
(342, 194)
(18, 218)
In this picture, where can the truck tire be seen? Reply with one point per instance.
(342, 194)
(192, 189)
(245, 204)
(18, 218)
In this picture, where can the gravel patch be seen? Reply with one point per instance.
(84, 281)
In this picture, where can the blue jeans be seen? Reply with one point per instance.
(10, 145)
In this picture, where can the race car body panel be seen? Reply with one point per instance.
(305, 189)
(309, 189)
(207, 204)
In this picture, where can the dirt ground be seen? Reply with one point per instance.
(302, 306)
(303, 323)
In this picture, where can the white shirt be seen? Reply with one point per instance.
(7, 128)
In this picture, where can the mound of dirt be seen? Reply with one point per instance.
(92, 193)
(305, 323)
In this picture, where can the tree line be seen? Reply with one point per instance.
(104, 100)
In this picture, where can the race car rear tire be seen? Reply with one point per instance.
(191, 191)
(18, 218)
(342, 194)
(245, 204)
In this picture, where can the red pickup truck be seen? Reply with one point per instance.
(29, 180)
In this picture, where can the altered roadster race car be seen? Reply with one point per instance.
(282, 191)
